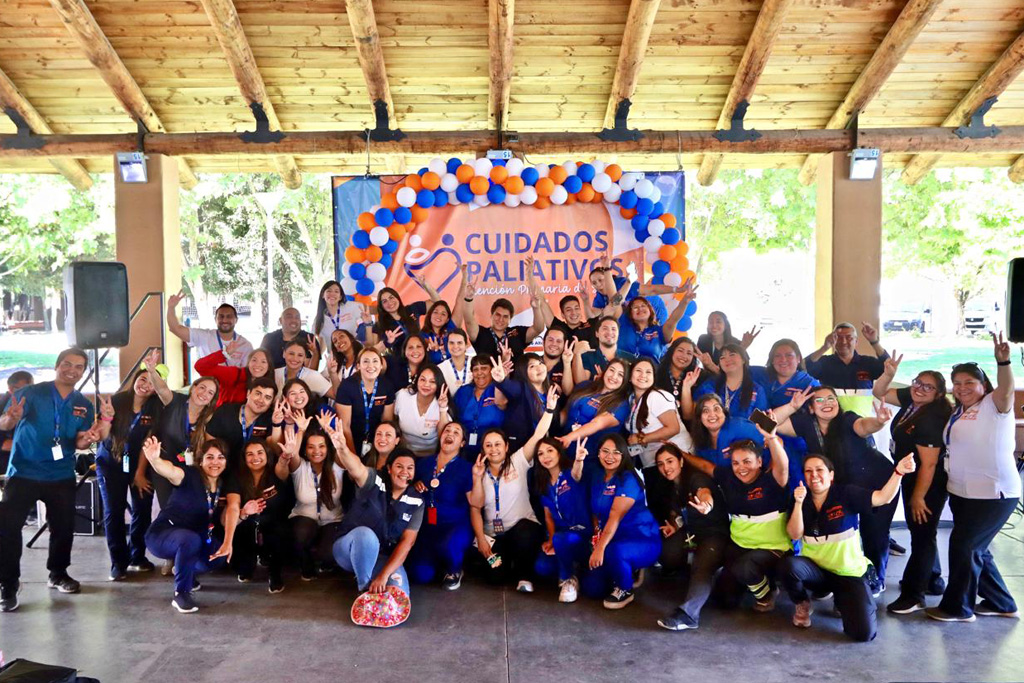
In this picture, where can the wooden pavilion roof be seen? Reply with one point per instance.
(97, 66)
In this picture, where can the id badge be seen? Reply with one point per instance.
(366, 448)
(189, 458)
(472, 439)
(58, 452)
(126, 465)
(635, 450)
(432, 516)
(499, 527)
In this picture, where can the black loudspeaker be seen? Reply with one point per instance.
(1015, 301)
(88, 509)
(96, 295)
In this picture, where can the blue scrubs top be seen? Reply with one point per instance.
(456, 480)
(858, 462)
(189, 506)
(638, 522)
(734, 429)
(649, 342)
(438, 357)
(477, 415)
(780, 394)
(600, 300)
(567, 502)
(860, 373)
(758, 399)
(45, 416)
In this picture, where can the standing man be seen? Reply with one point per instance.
(845, 368)
(490, 341)
(238, 423)
(50, 421)
(588, 364)
(291, 329)
(206, 342)
(17, 380)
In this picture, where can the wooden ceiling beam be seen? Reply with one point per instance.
(12, 101)
(227, 27)
(755, 58)
(371, 57)
(500, 21)
(992, 83)
(635, 37)
(1016, 171)
(82, 26)
(914, 16)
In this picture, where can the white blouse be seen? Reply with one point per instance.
(980, 442)
(307, 490)
(659, 402)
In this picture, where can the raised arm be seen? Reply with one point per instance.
(871, 336)
(780, 460)
(796, 402)
(543, 425)
(686, 393)
(568, 359)
(880, 389)
(888, 492)
(690, 293)
(12, 416)
(160, 387)
(795, 525)
(865, 426)
(581, 457)
(288, 460)
(343, 456)
(1003, 394)
(428, 288)
(173, 324)
(539, 317)
(466, 297)
(172, 473)
(698, 463)
(825, 347)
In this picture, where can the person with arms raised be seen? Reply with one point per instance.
(291, 330)
(641, 333)
(206, 341)
(488, 340)
(234, 380)
(844, 368)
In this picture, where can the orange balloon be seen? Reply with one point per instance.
(465, 173)
(614, 172)
(396, 232)
(542, 202)
(668, 219)
(414, 181)
(430, 180)
(598, 198)
(558, 175)
(689, 275)
(479, 185)
(499, 174)
(545, 186)
(354, 255)
(627, 213)
(682, 248)
(363, 299)
(366, 221)
(389, 201)
(586, 193)
(374, 253)
(419, 214)
(570, 199)
(667, 252)
(514, 184)
(409, 227)
(679, 264)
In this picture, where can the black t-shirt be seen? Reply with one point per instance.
(912, 428)
(350, 393)
(174, 431)
(278, 505)
(136, 430)
(487, 341)
(760, 497)
(854, 456)
(189, 505)
(586, 330)
(669, 501)
(226, 424)
(397, 373)
(416, 310)
(274, 343)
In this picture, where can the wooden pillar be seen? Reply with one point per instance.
(848, 255)
(149, 244)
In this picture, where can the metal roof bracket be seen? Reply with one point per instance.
(621, 131)
(24, 138)
(976, 127)
(383, 132)
(262, 134)
(736, 131)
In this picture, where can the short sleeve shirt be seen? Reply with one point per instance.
(206, 342)
(47, 416)
(980, 441)
(638, 520)
(419, 431)
(658, 403)
(508, 497)
(454, 481)
(350, 393)
(307, 493)
(912, 428)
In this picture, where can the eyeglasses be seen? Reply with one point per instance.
(923, 386)
(609, 451)
(820, 400)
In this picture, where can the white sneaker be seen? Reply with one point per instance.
(525, 587)
(569, 591)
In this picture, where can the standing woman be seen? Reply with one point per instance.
(136, 411)
(234, 381)
(316, 478)
(713, 430)
(718, 335)
(479, 406)
(734, 384)
(411, 356)
(395, 320)
(437, 325)
(641, 334)
(526, 391)
(917, 430)
(984, 489)
(653, 419)
(422, 411)
(342, 361)
(456, 369)
(596, 410)
(335, 312)
(295, 368)
(679, 361)
(364, 401)
(188, 529)
(627, 537)
(566, 515)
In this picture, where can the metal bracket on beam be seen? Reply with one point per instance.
(736, 131)
(621, 131)
(976, 127)
(854, 127)
(383, 132)
(24, 138)
(262, 134)
(140, 136)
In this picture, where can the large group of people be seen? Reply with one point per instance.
(408, 442)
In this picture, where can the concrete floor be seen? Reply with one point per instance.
(129, 632)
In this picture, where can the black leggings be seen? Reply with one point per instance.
(313, 543)
(518, 548)
(247, 547)
(802, 577)
(755, 569)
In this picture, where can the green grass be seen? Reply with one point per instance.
(40, 359)
(943, 360)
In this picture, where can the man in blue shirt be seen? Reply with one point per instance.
(50, 421)
(845, 368)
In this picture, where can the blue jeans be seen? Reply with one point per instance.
(119, 495)
(440, 549)
(621, 559)
(189, 550)
(358, 552)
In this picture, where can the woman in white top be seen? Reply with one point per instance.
(507, 532)
(456, 368)
(316, 476)
(294, 409)
(984, 488)
(335, 312)
(342, 358)
(422, 411)
(653, 418)
(295, 368)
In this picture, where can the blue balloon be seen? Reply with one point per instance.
(661, 268)
(498, 162)
(691, 308)
(657, 280)
(384, 217)
(586, 172)
(453, 164)
(496, 194)
(389, 247)
(685, 324)
(357, 271)
(658, 209)
(365, 286)
(641, 235)
(628, 199)
(402, 215)
(386, 260)
(670, 236)
(440, 197)
(463, 193)
(644, 206)
(573, 184)
(640, 222)
(361, 239)
(422, 171)
(530, 175)
(425, 198)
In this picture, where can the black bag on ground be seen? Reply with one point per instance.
(24, 671)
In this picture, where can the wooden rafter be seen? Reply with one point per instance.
(637, 33)
(11, 98)
(371, 57)
(992, 83)
(755, 58)
(228, 29)
(501, 17)
(912, 19)
(1016, 171)
(82, 26)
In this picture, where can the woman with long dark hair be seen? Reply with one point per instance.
(437, 325)
(405, 363)
(565, 499)
(387, 439)
(596, 409)
(734, 384)
(395, 320)
(335, 312)
(525, 390)
(234, 381)
(342, 359)
(678, 361)
(653, 419)
(719, 333)
(642, 334)
(181, 429)
(713, 430)
(422, 410)
(365, 400)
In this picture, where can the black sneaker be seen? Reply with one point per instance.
(679, 620)
(875, 582)
(9, 596)
(118, 574)
(64, 583)
(451, 582)
(618, 599)
(242, 578)
(308, 575)
(905, 605)
(896, 549)
(987, 609)
(184, 603)
(276, 584)
(141, 566)
(196, 586)
(936, 586)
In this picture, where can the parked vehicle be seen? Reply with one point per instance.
(908, 318)
(983, 317)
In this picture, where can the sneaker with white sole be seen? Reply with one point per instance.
(802, 615)
(9, 596)
(987, 609)
(524, 586)
(64, 584)
(938, 615)
(905, 605)
(679, 620)
(451, 582)
(184, 603)
(618, 599)
(569, 590)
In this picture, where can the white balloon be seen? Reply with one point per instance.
(599, 166)
(542, 170)
(438, 166)
(482, 167)
(570, 167)
(406, 197)
(656, 227)
(515, 166)
(559, 195)
(453, 199)
(613, 193)
(379, 236)
(652, 244)
(528, 195)
(601, 182)
(655, 194)
(643, 188)
(629, 180)
(376, 271)
(377, 286)
(673, 279)
(481, 200)
(512, 200)
(449, 182)
(348, 285)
